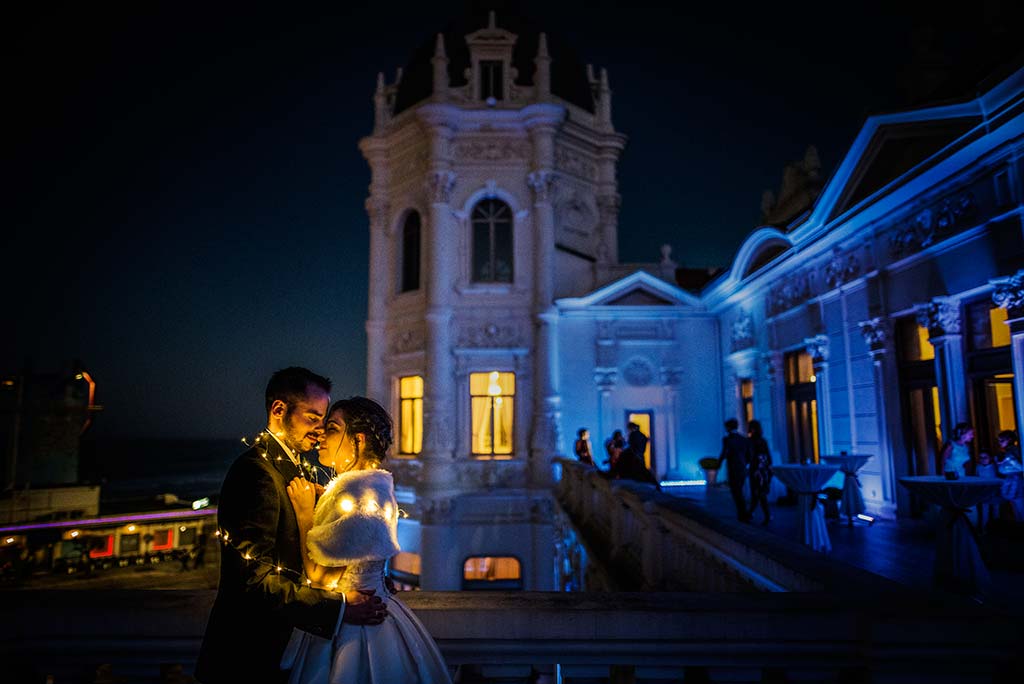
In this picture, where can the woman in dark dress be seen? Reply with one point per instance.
(760, 470)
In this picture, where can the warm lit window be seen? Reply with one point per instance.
(747, 397)
(492, 242)
(914, 340)
(799, 368)
(986, 324)
(493, 401)
(404, 569)
(801, 407)
(411, 253)
(492, 572)
(410, 424)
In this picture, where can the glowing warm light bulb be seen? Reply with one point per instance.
(371, 506)
(387, 511)
(279, 568)
(9, 540)
(131, 528)
(247, 557)
(74, 533)
(493, 388)
(347, 505)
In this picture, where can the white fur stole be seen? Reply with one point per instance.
(356, 519)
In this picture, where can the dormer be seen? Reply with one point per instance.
(490, 56)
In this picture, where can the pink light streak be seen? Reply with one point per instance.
(138, 517)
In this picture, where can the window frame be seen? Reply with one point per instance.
(492, 456)
(492, 224)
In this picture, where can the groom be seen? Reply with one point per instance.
(262, 594)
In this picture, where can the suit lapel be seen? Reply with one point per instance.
(280, 460)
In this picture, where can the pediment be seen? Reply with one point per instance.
(639, 289)
(895, 149)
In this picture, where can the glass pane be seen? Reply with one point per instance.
(482, 425)
(406, 438)
(406, 562)
(1001, 408)
(411, 253)
(937, 415)
(1000, 331)
(507, 383)
(417, 425)
(478, 383)
(925, 350)
(805, 369)
(488, 568)
(503, 252)
(746, 388)
(814, 430)
(482, 252)
(411, 387)
(503, 425)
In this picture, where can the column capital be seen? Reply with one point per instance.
(941, 316)
(817, 347)
(876, 335)
(606, 379)
(1009, 294)
(541, 182)
(439, 186)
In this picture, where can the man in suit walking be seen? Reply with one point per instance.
(736, 452)
(262, 594)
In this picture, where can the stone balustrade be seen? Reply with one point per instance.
(489, 637)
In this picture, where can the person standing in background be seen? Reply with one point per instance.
(582, 447)
(736, 452)
(760, 470)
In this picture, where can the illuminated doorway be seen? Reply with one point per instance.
(645, 419)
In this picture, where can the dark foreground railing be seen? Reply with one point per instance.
(153, 636)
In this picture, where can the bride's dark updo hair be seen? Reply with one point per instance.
(364, 415)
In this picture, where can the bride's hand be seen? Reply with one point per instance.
(303, 498)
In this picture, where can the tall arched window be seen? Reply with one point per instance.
(492, 242)
(411, 252)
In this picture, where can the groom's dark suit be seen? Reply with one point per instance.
(257, 607)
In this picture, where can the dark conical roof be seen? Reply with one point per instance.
(568, 75)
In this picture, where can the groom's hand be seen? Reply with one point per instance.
(363, 608)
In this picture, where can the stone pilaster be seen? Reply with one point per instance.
(817, 347)
(942, 318)
(892, 457)
(772, 362)
(1009, 294)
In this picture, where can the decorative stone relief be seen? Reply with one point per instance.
(1009, 294)
(573, 215)
(928, 224)
(405, 341)
(487, 150)
(638, 372)
(606, 379)
(817, 347)
(542, 183)
(439, 186)
(841, 268)
(672, 377)
(575, 163)
(789, 292)
(941, 316)
(876, 333)
(490, 335)
(742, 331)
(646, 330)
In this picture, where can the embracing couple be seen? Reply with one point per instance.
(303, 596)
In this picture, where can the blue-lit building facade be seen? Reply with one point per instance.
(500, 319)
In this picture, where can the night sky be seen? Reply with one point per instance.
(188, 194)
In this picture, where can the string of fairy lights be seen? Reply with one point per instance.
(306, 470)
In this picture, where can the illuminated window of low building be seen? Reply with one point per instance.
(410, 423)
(492, 572)
(493, 413)
(801, 407)
(747, 399)
(404, 570)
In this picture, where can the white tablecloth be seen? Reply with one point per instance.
(806, 481)
(853, 500)
(958, 564)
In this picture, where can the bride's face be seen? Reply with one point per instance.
(338, 448)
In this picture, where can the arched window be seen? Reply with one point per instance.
(492, 242)
(411, 252)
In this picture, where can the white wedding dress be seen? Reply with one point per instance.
(355, 524)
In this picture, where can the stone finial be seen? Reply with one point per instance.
(491, 20)
(440, 62)
(604, 101)
(542, 73)
(380, 105)
(667, 266)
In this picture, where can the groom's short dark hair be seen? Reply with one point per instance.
(290, 383)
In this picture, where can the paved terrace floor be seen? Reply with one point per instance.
(901, 550)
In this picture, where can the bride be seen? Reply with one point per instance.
(348, 535)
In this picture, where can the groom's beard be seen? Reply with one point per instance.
(298, 438)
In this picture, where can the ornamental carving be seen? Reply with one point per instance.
(574, 215)
(492, 150)
(1009, 294)
(542, 183)
(841, 268)
(941, 316)
(646, 330)
(742, 331)
(439, 186)
(405, 341)
(638, 372)
(817, 347)
(875, 332)
(605, 379)
(931, 223)
(575, 163)
(608, 209)
(490, 335)
(672, 377)
(789, 292)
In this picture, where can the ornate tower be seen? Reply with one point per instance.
(493, 193)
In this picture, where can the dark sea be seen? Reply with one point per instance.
(137, 468)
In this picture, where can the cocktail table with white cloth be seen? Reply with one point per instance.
(852, 501)
(958, 564)
(806, 482)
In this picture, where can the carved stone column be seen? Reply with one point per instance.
(1009, 294)
(605, 379)
(817, 347)
(381, 277)
(942, 318)
(439, 389)
(891, 457)
(672, 381)
(546, 438)
(776, 382)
